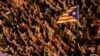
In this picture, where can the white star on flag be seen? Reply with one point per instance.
(74, 13)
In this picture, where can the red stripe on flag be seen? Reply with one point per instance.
(67, 17)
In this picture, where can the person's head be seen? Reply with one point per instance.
(0, 22)
(1, 50)
(64, 27)
(72, 2)
(99, 28)
(98, 49)
(84, 18)
(49, 44)
(83, 1)
(81, 34)
(89, 11)
(92, 49)
(80, 15)
(22, 25)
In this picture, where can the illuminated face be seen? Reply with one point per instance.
(99, 27)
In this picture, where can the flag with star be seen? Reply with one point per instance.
(70, 15)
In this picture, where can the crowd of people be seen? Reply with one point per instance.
(31, 29)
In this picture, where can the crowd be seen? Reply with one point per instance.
(31, 29)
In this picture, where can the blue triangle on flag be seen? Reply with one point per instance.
(75, 13)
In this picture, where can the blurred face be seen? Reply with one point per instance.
(92, 49)
(89, 11)
(83, 18)
(72, 2)
(72, 49)
(0, 22)
(65, 29)
(98, 48)
(83, 1)
(99, 27)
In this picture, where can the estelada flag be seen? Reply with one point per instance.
(70, 15)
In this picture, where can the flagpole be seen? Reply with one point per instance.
(78, 20)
